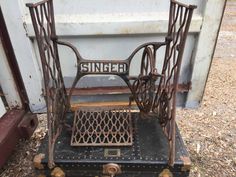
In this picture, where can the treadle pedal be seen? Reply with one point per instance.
(102, 126)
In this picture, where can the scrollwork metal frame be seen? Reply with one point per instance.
(159, 101)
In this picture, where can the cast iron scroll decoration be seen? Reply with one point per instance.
(55, 93)
(164, 105)
(141, 87)
(160, 101)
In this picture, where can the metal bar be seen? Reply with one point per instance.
(37, 4)
(184, 5)
(116, 90)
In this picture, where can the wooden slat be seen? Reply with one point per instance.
(75, 106)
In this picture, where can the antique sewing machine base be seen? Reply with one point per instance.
(117, 141)
(147, 157)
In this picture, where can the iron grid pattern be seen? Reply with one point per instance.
(107, 126)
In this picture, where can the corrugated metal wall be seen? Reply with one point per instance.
(105, 29)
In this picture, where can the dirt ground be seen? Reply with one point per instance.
(209, 132)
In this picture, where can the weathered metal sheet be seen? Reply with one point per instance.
(105, 17)
(113, 24)
(147, 157)
(99, 27)
(205, 50)
(8, 87)
(28, 67)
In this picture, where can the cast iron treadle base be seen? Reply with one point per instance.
(146, 157)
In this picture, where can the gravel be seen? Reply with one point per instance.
(210, 131)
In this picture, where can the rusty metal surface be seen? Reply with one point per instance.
(116, 90)
(160, 101)
(56, 99)
(28, 125)
(147, 154)
(139, 86)
(108, 126)
(164, 105)
(10, 132)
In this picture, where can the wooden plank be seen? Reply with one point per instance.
(75, 106)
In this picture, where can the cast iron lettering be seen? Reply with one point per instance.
(98, 67)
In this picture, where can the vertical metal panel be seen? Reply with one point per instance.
(29, 68)
(111, 7)
(7, 82)
(105, 17)
(205, 49)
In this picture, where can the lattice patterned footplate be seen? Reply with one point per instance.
(106, 126)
